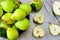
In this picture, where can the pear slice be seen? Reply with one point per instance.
(56, 7)
(54, 29)
(38, 32)
(39, 18)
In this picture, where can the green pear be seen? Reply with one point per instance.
(16, 2)
(7, 18)
(18, 14)
(4, 25)
(36, 5)
(1, 11)
(23, 24)
(12, 34)
(26, 7)
(8, 6)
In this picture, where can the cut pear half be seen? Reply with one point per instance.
(39, 18)
(56, 7)
(54, 29)
(38, 32)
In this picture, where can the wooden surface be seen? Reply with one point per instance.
(27, 35)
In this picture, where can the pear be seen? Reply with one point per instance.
(39, 18)
(18, 14)
(7, 18)
(16, 2)
(4, 25)
(8, 6)
(12, 33)
(23, 24)
(38, 32)
(56, 7)
(26, 7)
(54, 29)
(36, 5)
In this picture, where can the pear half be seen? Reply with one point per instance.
(54, 29)
(56, 7)
(39, 18)
(38, 32)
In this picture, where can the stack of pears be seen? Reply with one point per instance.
(13, 15)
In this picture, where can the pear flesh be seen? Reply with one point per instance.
(38, 32)
(39, 18)
(56, 7)
(54, 29)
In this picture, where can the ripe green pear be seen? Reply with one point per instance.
(36, 5)
(16, 2)
(4, 25)
(8, 6)
(1, 11)
(7, 18)
(23, 24)
(18, 14)
(26, 7)
(12, 34)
